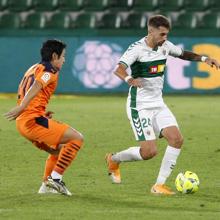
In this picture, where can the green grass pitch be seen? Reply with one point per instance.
(104, 123)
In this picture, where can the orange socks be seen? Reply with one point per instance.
(67, 155)
(49, 166)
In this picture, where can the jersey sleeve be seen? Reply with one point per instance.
(43, 77)
(129, 56)
(174, 50)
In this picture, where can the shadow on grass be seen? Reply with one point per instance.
(100, 202)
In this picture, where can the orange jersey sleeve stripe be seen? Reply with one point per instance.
(26, 83)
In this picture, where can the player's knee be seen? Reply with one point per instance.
(181, 141)
(77, 136)
(176, 141)
(72, 135)
(148, 154)
(54, 151)
(78, 139)
(81, 137)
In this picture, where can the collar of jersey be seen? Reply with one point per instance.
(154, 49)
(49, 67)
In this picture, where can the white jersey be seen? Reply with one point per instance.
(149, 65)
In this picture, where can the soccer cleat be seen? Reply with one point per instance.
(113, 169)
(161, 189)
(45, 189)
(58, 185)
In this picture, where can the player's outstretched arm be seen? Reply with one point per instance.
(120, 71)
(188, 55)
(16, 111)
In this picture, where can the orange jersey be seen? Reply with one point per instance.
(48, 77)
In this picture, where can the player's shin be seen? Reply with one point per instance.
(49, 165)
(168, 163)
(66, 156)
(131, 154)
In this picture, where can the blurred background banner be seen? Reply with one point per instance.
(90, 62)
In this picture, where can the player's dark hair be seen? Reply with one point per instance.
(51, 46)
(159, 20)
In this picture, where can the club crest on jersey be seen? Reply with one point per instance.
(164, 52)
(45, 77)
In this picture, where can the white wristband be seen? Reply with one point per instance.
(127, 78)
(204, 58)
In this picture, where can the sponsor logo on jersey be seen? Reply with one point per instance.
(157, 69)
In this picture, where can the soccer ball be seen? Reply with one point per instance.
(187, 182)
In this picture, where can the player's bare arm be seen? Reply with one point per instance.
(16, 111)
(122, 74)
(188, 55)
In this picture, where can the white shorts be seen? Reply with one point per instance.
(147, 124)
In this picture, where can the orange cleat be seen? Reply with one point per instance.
(161, 189)
(113, 169)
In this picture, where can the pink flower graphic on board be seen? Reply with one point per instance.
(94, 63)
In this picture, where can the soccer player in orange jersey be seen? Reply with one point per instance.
(61, 141)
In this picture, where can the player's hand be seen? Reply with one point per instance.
(212, 62)
(49, 114)
(13, 113)
(135, 82)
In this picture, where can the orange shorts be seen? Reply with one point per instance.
(42, 130)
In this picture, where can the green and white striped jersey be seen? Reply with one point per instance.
(149, 65)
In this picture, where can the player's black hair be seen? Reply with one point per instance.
(51, 46)
(159, 20)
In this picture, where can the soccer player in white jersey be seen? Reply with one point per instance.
(148, 114)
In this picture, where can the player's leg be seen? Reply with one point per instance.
(141, 123)
(145, 151)
(175, 141)
(52, 158)
(71, 142)
(53, 134)
(53, 154)
(169, 129)
(49, 165)
(54, 150)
